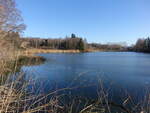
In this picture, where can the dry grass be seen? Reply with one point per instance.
(34, 51)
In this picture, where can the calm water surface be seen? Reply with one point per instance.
(121, 73)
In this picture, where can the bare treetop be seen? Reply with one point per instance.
(10, 18)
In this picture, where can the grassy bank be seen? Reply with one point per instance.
(31, 52)
(14, 64)
(35, 51)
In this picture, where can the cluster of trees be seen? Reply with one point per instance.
(107, 47)
(142, 45)
(72, 42)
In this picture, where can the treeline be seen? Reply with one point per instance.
(72, 42)
(142, 45)
(107, 47)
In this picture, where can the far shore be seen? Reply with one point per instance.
(33, 51)
(36, 51)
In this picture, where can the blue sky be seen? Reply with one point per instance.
(96, 20)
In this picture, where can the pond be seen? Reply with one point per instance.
(119, 74)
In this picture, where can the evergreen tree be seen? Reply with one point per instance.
(81, 45)
(73, 35)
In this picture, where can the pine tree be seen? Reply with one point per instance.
(81, 45)
(73, 35)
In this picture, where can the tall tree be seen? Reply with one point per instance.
(11, 25)
(81, 45)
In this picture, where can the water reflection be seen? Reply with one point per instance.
(122, 73)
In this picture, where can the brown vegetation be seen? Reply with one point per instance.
(34, 51)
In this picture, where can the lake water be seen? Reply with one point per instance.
(119, 73)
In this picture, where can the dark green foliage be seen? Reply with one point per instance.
(73, 35)
(81, 45)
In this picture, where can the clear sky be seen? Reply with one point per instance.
(97, 20)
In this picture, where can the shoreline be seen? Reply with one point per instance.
(36, 51)
(32, 52)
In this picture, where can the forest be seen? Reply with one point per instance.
(72, 42)
(69, 43)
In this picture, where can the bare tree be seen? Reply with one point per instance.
(139, 45)
(10, 18)
(11, 25)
